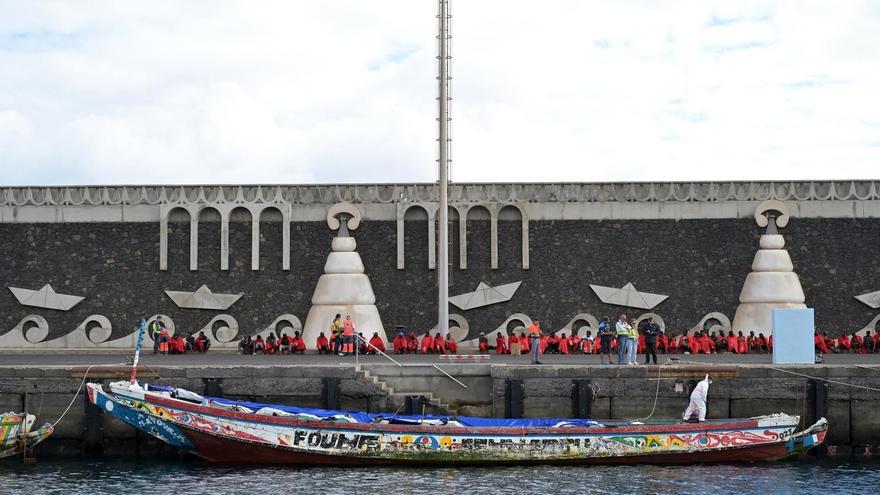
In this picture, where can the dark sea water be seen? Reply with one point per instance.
(187, 477)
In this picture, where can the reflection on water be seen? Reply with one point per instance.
(185, 477)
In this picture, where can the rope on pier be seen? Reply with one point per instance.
(672, 361)
(872, 389)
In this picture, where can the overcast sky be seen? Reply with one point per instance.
(343, 91)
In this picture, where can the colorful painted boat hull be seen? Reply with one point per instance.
(138, 416)
(12, 425)
(228, 436)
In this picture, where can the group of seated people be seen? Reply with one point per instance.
(699, 342)
(332, 346)
(177, 344)
(410, 344)
(704, 342)
(867, 344)
(272, 344)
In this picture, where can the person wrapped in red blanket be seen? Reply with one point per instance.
(297, 344)
(427, 344)
(412, 343)
(524, 347)
(500, 344)
(451, 345)
(562, 344)
(376, 344)
(439, 344)
(483, 344)
(399, 343)
(820, 344)
(202, 343)
(322, 344)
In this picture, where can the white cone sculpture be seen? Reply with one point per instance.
(344, 288)
(772, 282)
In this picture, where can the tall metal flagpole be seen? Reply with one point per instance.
(443, 163)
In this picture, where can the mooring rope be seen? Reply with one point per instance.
(656, 396)
(78, 390)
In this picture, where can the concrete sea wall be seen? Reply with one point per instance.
(493, 390)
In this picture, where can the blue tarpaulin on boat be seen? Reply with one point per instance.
(362, 417)
(321, 413)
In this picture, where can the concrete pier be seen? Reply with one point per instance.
(498, 389)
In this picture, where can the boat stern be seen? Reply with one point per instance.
(807, 439)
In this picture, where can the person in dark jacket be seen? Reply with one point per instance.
(651, 330)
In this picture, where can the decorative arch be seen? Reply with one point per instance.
(524, 239)
(493, 231)
(200, 203)
(285, 232)
(430, 213)
(165, 214)
(243, 211)
(461, 211)
(203, 212)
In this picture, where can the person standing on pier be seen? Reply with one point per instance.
(156, 327)
(622, 329)
(632, 342)
(336, 334)
(605, 336)
(534, 340)
(651, 330)
(348, 336)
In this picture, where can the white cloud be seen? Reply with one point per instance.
(343, 91)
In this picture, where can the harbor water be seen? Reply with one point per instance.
(188, 476)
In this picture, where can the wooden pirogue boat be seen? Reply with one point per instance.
(243, 432)
(15, 428)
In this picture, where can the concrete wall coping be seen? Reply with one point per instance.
(624, 192)
(386, 202)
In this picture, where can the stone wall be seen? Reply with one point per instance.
(700, 264)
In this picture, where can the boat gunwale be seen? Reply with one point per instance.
(406, 459)
(722, 425)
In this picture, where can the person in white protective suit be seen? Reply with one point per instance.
(698, 400)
